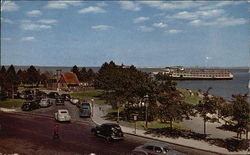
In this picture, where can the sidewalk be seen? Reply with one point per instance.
(99, 113)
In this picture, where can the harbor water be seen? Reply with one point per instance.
(224, 88)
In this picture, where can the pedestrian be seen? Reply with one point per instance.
(56, 131)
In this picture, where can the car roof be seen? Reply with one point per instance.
(159, 144)
(62, 110)
(110, 124)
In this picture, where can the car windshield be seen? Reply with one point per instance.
(63, 112)
(166, 149)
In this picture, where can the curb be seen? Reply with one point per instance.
(7, 110)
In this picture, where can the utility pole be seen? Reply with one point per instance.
(58, 75)
(92, 107)
(118, 112)
(146, 112)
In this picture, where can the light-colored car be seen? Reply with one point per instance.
(155, 148)
(62, 115)
(45, 102)
(74, 100)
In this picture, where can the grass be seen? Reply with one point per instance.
(156, 124)
(11, 103)
(26, 86)
(89, 94)
(152, 125)
(191, 99)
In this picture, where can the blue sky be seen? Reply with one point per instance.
(140, 33)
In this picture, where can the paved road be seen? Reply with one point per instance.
(31, 134)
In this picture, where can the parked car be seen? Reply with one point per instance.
(53, 95)
(59, 101)
(45, 102)
(85, 110)
(74, 100)
(66, 97)
(26, 94)
(62, 115)
(40, 94)
(109, 131)
(30, 105)
(155, 148)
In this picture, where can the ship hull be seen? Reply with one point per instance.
(196, 78)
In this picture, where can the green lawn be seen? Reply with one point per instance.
(152, 125)
(11, 103)
(88, 95)
(26, 86)
(191, 99)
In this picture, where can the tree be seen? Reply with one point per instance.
(75, 70)
(3, 74)
(208, 105)
(33, 76)
(125, 85)
(173, 107)
(11, 82)
(241, 112)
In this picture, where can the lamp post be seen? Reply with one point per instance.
(92, 107)
(146, 112)
(118, 112)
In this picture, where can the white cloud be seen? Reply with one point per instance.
(91, 9)
(140, 19)
(160, 25)
(173, 31)
(9, 6)
(6, 20)
(222, 21)
(172, 5)
(146, 29)
(34, 27)
(102, 4)
(129, 5)
(7, 39)
(62, 4)
(101, 27)
(198, 14)
(56, 5)
(73, 3)
(47, 21)
(34, 13)
(219, 4)
(28, 38)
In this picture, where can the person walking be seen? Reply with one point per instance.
(56, 131)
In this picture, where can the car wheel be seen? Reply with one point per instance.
(108, 139)
(94, 133)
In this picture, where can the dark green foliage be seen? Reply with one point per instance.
(75, 70)
(33, 75)
(208, 105)
(173, 108)
(240, 112)
(126, 85)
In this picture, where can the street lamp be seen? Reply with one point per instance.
(92, 105)
(146, 112)
(118, 112)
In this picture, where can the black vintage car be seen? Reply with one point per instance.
(66, 97)
(109, 131)
(53, 95)
(30, 105)
(59, 101)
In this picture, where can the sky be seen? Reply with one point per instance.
(140, 33)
